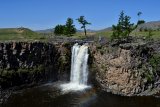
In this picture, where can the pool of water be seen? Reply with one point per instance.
(50, 95)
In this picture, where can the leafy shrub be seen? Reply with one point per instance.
(155, 62)
(150, 34)
(123, 28)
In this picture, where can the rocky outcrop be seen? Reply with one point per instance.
(126, 69)
(28, 62)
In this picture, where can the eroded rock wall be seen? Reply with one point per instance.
(27, 62)
(123, 69)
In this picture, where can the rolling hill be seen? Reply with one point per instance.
(153, 25)
(18, 34)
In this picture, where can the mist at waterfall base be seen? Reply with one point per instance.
(79, 69)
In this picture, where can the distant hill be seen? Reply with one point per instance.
(45, 31)
(154, 25)
(20, 31)
(18, 34)
(106, 29)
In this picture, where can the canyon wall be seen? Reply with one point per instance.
(127, 69)
(31, 62)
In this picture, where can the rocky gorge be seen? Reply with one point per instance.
(23, 63)
(126, 69)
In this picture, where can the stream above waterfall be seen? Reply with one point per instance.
(50, 95)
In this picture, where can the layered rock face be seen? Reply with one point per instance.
(125, 69)
(24, 62)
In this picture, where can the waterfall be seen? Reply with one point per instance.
(79, 69)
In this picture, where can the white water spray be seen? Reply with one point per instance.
(79, 69)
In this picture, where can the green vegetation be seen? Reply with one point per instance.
(139, 14)
(67, 29)
(84, 22)
(59, 30)
(106, 34)
(21, 76)
(123, 28)
(154, 34)
(140, 22)
(19, 34)
(150, 34)
(155, 62)
(70, 28)
(150, 72)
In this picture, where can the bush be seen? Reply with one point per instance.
(150, 34)
(154, 61)
(123, 28)
(67, 29)
(140, 22)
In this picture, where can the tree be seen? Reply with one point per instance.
(139, 20)
(150, 34)
(84, 22)
(69, 27)
(123, 28)
(59, 30)
(139, 14)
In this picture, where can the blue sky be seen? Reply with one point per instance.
(43, 14)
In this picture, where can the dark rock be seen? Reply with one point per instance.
(125, 67)
(27, 62)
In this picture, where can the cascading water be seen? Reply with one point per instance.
(79, 69)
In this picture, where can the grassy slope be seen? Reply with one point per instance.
(107, 34)
(24, 34)
(156, 34)
(19, 34)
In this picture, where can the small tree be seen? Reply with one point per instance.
(150, 34)
(139, 15)
(59, 30)
(123, 28)
(139, 20)
(82, 21)
(69, 27)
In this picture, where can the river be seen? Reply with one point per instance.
(51, 95)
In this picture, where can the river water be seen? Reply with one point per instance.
(51, 95)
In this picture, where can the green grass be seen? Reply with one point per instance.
(106, 34)
(79, 36)
(24, 34)
(19, 34)
(156, 34)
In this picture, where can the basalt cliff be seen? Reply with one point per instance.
(126, 69)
